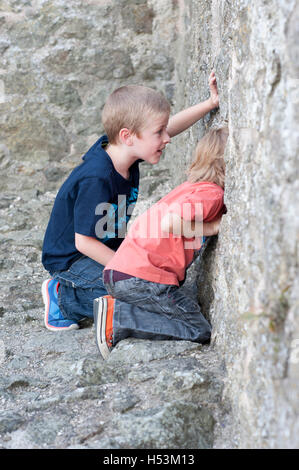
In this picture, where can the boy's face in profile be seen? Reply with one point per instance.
(152, 139)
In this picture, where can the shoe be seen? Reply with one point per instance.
(54, 319)
(103, 308)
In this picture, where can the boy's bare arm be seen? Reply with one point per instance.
(173, 223)
(186, 118)
(208, 228)
(93, 248)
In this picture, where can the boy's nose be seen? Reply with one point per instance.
(166, 138)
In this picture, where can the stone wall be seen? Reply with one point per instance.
(251, 289)
(59, 60)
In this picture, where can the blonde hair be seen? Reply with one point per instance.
(208, 164)
(132, 107)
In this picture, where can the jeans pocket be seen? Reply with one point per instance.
(130, 290)
(86, 268)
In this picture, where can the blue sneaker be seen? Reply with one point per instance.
(54, 319)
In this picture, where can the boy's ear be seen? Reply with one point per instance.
(126, 136)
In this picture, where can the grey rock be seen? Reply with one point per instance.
(141, 374)
(64, 95)
(54, 174)
(75, 28)
(131, 350)
(93, 371)
(38, 133)
(124, 400)
(83, 393)
(112, 64)
(138, 16)
(179, 381)
(176, 425)
(292, 34)
(44, 431)
(10, 421)
(19, 83)
(89, 371)
(17, 382)
(162, 67)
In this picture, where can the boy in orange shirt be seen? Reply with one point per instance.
(145, 298)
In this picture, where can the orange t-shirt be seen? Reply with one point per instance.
(156, 256)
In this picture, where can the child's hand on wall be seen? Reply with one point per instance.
(215, 226)
(186, 118)
(211, 228)
(213, 90)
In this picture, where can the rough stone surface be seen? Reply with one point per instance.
(59, 61)
(248, 282)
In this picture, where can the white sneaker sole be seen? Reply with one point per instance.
(100, 318)
(46, 300)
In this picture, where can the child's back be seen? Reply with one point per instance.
(158, 256)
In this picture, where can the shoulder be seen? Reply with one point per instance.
(95, 164)
(211, 198)
(94, 169)
(205, 190)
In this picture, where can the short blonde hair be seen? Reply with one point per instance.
(132, 107)
(208, 164)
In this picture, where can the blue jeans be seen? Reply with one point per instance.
(79, 286)
(149, 310)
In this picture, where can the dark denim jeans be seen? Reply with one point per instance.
(79, 286)
(149, 310)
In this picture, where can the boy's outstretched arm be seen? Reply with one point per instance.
(186, 118)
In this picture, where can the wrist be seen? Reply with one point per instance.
(211, 104)
(210, 229)
(207, 229)
(214, 104)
